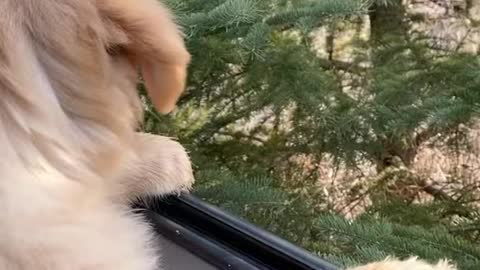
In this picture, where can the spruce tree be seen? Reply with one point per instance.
(254, 63)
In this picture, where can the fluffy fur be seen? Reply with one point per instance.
(409, 264)
(68, 111)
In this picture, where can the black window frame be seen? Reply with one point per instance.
(222, 239)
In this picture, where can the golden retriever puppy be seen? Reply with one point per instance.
(68, 114)
(410, 264)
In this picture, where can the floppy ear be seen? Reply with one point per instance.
(150, 38)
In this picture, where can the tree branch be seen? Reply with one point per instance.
(341, 65)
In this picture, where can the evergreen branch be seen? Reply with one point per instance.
(325, 8)
(437, 193)
(230, 14)
(241, 135)
(341, 65)
(233, 13)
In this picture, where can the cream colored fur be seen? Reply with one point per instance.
(409, 264)
(68, 112)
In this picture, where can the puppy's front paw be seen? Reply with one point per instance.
(163, 167)
(410, 264)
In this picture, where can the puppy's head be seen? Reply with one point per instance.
(68, 73)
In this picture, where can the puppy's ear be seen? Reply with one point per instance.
(146, 31)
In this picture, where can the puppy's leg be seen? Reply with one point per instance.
(161, 167)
